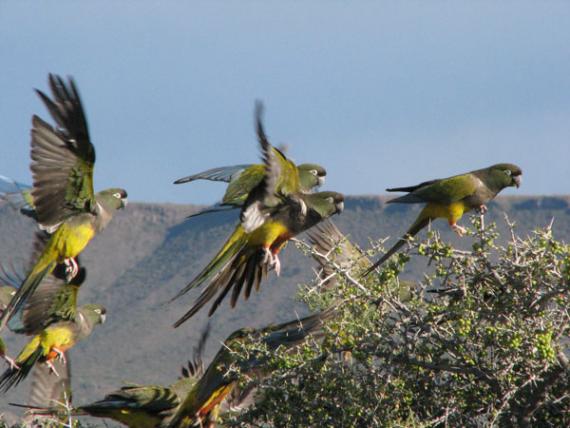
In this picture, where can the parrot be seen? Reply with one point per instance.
(65, 203)
(52, 342)
(451, 197)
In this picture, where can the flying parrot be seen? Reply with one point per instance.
(140, 406)
(245, 258)
(243, 179)
(451, 197)
(53, 342)
(219, 381)
(65, 204)
(274, 212)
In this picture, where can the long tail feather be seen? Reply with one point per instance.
(14, 376)
(30, 284)
(232, 247)
(418, 225)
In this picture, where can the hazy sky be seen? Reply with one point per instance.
(381, 93)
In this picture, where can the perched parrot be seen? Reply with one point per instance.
(245, 258)
(51, 343)
(6, 294)
(219, 381)
(450, 197)
(65, 204)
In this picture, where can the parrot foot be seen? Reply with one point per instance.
(11, 362)
(71, 268)
(267, 256)
(52, 368)
(483, 209)
(60, 355)
(272, 260)
(458, 229)
(276, 264)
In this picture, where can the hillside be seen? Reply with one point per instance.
(149, 252)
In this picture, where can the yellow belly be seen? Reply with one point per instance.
(70, 240)
(451, 212)
(266, 234)
(56, 337)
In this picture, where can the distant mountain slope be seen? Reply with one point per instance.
(149, 252)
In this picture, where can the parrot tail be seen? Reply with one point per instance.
(245, 268)
(34, 278)
(14, 376)
(231, 248)
(418, 225)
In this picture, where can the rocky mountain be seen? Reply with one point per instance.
(149, 252)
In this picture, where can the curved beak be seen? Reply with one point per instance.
(320, 180)
(340, 207)
(518, 180)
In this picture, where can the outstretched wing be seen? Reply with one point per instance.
(62, 157)
(48, 390)
(222, 173)
(281, 178)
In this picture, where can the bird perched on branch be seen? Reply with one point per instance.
(451, 197)
(65, 204)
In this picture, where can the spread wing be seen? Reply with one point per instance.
(281, 178)
(49, 390)
(62, 157)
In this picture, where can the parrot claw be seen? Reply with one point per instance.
(52, 368)
(458, 229)
(483, 209)
(276, 264)
(11, 362)
(60, 355)
(267, 256)
(71, 268)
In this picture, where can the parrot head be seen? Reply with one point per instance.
(325, 204)
(503, 175)
(311, 175)
(94, 314)
(112, 199)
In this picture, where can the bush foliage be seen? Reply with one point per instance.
(480, 340)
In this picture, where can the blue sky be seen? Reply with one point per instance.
(381, 93)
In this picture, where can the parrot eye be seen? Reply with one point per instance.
(508, 172)
(330, 199)
(98, 311)
(117, 195)
(314, 172)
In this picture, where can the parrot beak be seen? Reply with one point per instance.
(103, 318)
(518, 180)
(321, 180)
(340, 207)
(125, 202)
